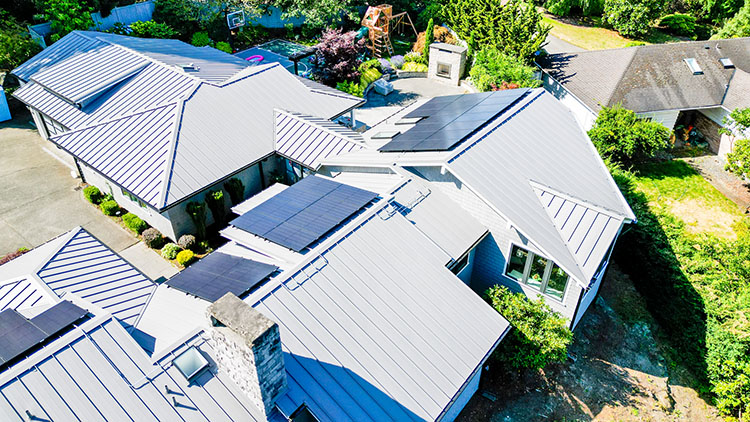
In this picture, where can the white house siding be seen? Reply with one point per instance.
(588, 299)
(463, 398)
(465, 274)
(666, 117)
(150, 215)
(583, 115)
(489, 261)
(39, 123)
(175, 221)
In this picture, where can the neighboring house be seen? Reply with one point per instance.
(363, 320)
(517, 162)
(157, 123)
(688, 84)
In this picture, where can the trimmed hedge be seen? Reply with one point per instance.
(134, 223)
(109, 207)
(185, 257)
(93, 194)
(170, 250)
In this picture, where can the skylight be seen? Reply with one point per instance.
(694, 66)
(388, 134)
(190, 362)
(726, 62)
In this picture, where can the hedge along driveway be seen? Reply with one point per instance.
(38, 196)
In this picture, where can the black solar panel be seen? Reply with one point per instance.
(58, 317)
(303, 212)
(18, 334)
(218, 274)
(450, 119)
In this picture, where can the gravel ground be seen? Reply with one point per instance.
(711, 168)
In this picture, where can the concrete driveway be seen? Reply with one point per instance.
(39, 199)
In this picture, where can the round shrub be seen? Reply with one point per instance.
(414, 67)
(413, 56)
(439, 34)
(201, 39)
(152, 238)
(397, 61)
(186, 241)
(170, 250)
(224, 46)
(92, 194)
(679, 24)
(185, 257)
(134, 223)
(109, 207)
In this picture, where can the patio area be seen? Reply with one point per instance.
(405, 92)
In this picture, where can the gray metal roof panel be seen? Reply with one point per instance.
(97, 371)
(86, 267)
(308, 140)
(377, 328)
(69, 45)
(519, 153)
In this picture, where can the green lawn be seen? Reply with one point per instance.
(598, 38)
(676, 187)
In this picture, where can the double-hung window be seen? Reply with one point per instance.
(537, 272)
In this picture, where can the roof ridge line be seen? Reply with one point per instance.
(169, 165)
(69, 235)
(625, 71)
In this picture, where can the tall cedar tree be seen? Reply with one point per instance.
(515, 29)
(429, 38)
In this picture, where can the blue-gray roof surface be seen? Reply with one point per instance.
(90, 270)
(147, 130)
(538, 143)
(308, 140)
(375, 327)
(97, 371)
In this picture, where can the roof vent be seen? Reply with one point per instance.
(190, 362)
(189, 66)
(726, 62)
(706, 47)
(693, 65)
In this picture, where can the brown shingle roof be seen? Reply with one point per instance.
(654, 77)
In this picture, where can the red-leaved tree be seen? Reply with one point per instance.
(337, 58)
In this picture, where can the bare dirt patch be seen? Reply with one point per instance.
(700, 217)
(620, 373)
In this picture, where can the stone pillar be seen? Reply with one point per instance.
(247, 346)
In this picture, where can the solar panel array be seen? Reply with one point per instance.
(304, 212)
(218, 274)
(450, 119)
(19, 334)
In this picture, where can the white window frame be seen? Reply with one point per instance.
(527, 269)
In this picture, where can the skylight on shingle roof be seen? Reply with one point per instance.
(694, 66)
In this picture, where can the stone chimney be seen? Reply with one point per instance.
(247, 346)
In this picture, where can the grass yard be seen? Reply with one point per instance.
(677, 188)
(597, 38)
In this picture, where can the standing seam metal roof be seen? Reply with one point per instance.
(377, 328)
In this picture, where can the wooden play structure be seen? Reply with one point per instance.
(380, 22)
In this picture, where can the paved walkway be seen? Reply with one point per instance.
(405, 92)
(40, 199)
(149, 261)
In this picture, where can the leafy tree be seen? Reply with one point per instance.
(738, 124)
(429, 38)
(215, 202)
(181, 15)
(67, 16)
(16, 46)
(620, 135)
(515, 28)
(540, 335)
(151, 29)
(679, 24)
(632, 18)
(491, 68)
(564, 7)
(738, 26)
(337, 57)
